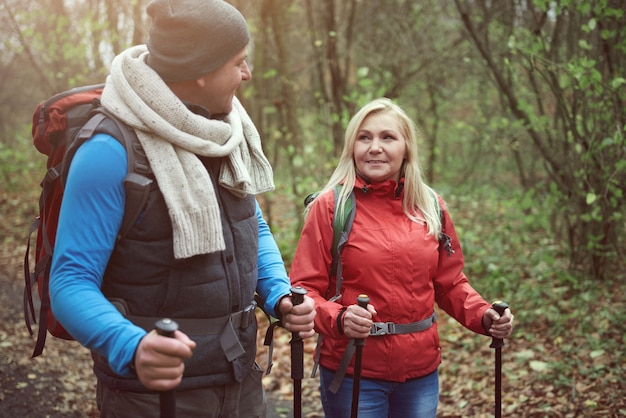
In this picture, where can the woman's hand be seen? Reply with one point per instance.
(357, 321)
(498, 326)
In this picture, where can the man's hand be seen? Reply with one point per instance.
(159, 360)
(298, 318)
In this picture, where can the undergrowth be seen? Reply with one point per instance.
(570, 326)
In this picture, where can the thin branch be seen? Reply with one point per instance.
(27, 50)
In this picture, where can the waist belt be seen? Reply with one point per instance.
(224, 326)
(390, 328)
(200, 326)
(378, 329)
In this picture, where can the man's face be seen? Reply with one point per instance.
(219, 86)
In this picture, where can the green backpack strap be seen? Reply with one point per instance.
(342, 224)
(436, 201)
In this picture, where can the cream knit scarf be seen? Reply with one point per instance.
(172, 137)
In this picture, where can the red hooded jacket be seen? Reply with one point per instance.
(399, 266)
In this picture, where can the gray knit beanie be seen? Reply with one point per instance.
(190, 38)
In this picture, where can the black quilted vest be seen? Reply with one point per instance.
(143, 272)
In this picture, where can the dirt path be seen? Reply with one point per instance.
(57, 384)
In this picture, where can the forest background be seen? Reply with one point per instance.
(521, 104)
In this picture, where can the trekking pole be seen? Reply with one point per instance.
(297, 356)
(167, 399)
(359, 343)
(498, 343)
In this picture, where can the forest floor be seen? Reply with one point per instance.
(535, 382)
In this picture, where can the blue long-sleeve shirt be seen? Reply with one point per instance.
(90, 218)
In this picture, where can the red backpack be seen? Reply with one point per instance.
(60, 125)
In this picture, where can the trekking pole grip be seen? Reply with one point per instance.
(297, 295)
(362, 300)
(166, 327)
(499, 307)
(297, 350)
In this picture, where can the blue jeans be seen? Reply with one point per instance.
(415, 398)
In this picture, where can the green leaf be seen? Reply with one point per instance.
(617, 82)
(584, 45)
(592, 24)
(596, 353)
(591, 197)
(539, 366)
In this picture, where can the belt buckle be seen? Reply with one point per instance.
(247, 315)
(383, 328)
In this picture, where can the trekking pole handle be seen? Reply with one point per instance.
(167, 327)
(297, 295)
(362, 300)
(297, 346)
(499, 307)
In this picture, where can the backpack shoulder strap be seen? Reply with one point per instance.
(342, 225)
(137, 181)
(433, 195)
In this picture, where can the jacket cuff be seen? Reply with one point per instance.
(340, 320)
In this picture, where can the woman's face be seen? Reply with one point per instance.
(380, 149)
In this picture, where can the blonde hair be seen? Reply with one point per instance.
(418, 196)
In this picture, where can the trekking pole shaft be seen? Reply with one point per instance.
(297, 356)
(498, 383)
(359, 343)
(167, 399)
(498, 343)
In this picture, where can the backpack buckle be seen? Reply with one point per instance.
(383, 328)
(248, 315)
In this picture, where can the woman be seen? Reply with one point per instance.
(404, 254)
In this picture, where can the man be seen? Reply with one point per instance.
(200, 248)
